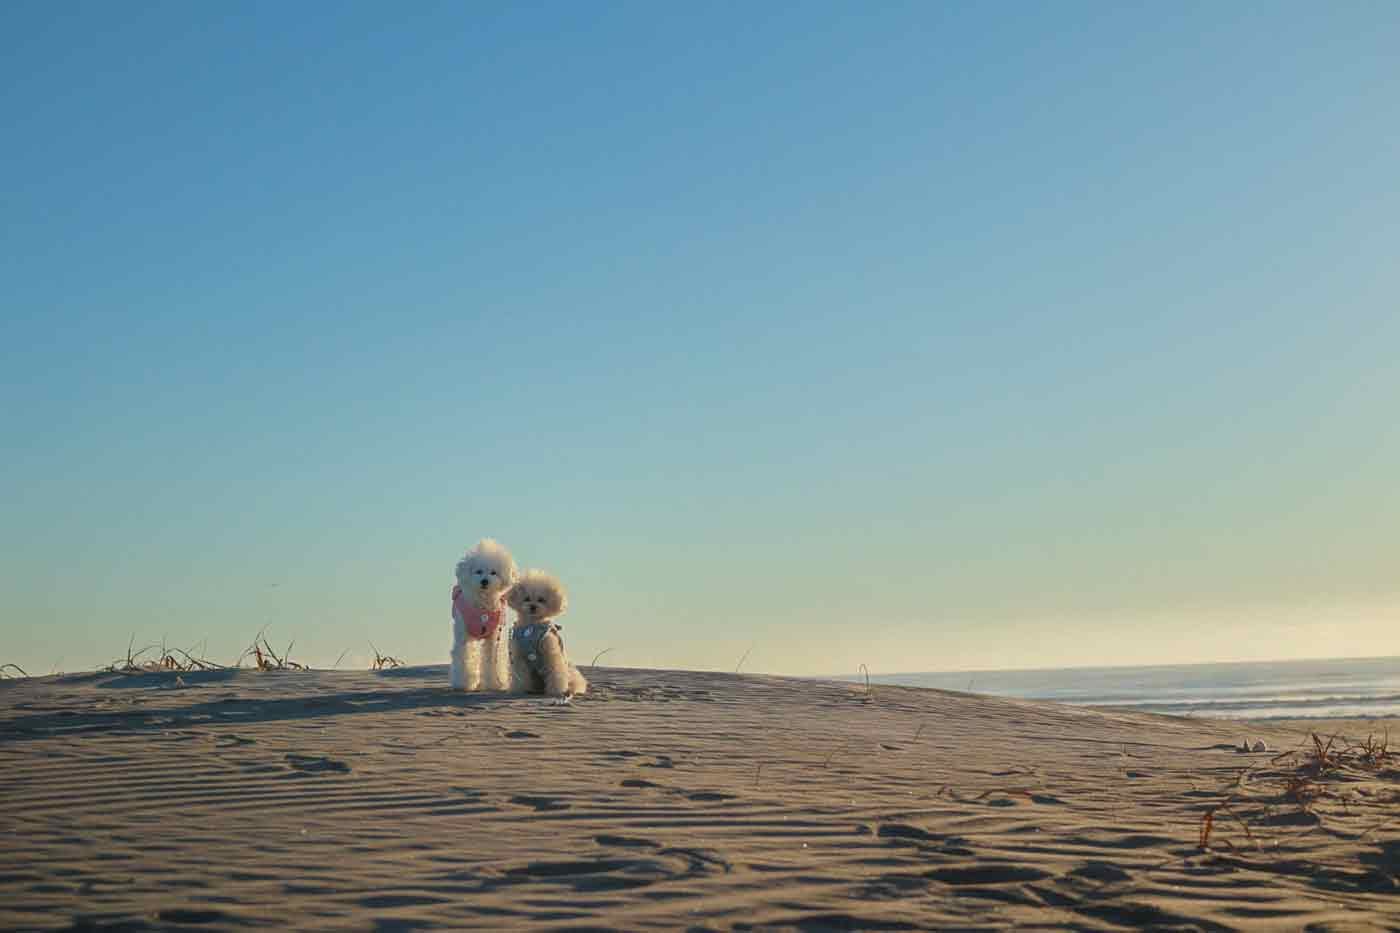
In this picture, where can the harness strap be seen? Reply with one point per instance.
(481, 623)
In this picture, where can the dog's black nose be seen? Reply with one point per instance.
(484, 583)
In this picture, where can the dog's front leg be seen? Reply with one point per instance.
(556, 667)
(499, 676)
(474, 652)
(519, 668)
(458, 676)
(578, 684)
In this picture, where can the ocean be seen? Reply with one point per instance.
(1329, 689)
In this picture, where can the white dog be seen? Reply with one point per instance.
(537, 660)
(478, 618)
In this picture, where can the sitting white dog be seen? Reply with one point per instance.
(537, 660)
(478, 618)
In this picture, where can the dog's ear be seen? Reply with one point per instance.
(513, 597)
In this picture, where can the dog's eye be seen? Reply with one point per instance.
(493, 573)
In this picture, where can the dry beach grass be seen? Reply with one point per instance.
(672, 800)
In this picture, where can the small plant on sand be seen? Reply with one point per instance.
(1374, 754)
(1322, 771)
(163, 659)
(266, 659)
(1339, 758)
(383, 661)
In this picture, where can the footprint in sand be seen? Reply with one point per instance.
(594, 875)
(193, 916)
(232, 741)
(626, 842)
(311, 764)
(540, 804)
(638, 782)
(1101, 872)
(700, 861)
(618, 873)
(903, 832)
(988, 874)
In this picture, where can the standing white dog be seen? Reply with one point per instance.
(479, 661)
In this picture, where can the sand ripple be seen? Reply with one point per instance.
(663, 800)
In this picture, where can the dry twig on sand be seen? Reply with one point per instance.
(5, 667)
(599, 655)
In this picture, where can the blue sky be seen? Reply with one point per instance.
(916, 335)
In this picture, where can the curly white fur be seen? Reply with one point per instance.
(538, 599)
(485, 573)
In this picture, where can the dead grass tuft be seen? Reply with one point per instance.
(1336, 757)
(266, 659)
(382, 661)
(6, 667)
(157, 658)
(1325, 779)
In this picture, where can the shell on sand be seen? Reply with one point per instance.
(659, 800)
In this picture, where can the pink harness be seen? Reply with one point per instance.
(481, 623)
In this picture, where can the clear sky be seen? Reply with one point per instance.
(924, 336)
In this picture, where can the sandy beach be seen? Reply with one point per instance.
(668, 800)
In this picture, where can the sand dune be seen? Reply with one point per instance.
(666, 800)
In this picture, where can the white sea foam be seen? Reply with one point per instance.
(1335, 688)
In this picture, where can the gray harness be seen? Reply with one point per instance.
(528, 639)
